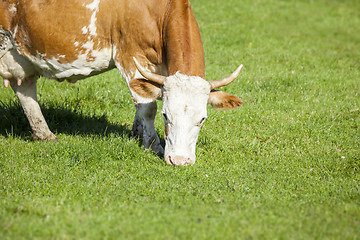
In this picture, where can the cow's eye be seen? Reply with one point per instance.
(165, 116)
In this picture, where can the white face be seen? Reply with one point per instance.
(184, 110)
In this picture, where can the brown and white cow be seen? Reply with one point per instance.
(155, 44)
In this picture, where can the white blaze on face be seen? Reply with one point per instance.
(184, 109)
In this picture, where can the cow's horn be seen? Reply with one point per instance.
(149, 75)
(225, 81)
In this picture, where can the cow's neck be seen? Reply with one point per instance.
(183, 46)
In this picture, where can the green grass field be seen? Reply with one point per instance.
(286, 165)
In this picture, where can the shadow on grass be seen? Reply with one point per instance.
(13, 122)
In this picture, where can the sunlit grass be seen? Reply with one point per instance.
(284, 166)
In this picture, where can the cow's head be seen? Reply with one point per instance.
(184, 109)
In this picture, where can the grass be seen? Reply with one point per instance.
(284, 166)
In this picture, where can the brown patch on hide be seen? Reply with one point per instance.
(184, 48)
(42, 35)
(146, 89)
(5, 15)
(220, 100)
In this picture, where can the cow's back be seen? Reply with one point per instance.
(75, 39)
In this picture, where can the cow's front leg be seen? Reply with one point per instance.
(143, 126)
(26, 93)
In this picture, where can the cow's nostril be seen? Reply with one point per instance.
(170, 161)
(187, 162)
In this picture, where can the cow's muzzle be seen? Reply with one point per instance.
(179, 161)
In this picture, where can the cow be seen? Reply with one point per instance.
(154, 44)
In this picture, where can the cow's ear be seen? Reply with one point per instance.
(220, 100)
(145, 88)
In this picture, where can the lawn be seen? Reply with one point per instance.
(286, 165)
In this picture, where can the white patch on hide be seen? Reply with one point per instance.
(80, 68)
(91, 28)
(94, 5)
(84, 30)
(12, 8)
